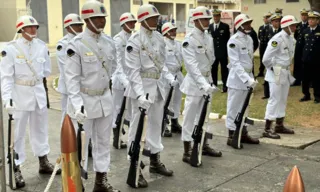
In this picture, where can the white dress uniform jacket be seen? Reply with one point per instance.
(22, 71)
(279, 52)
(240, 52)
(198, 56)
(174, 59)
(62, 57)
(90, 61)
(119, 78)
(145, 67)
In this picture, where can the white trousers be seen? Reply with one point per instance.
(64, 104)
(99, 130)
(175, 102)
(117, 101)
(276, 107)
(192, 111)
(38, 132)
(155, 115)
(235, 102)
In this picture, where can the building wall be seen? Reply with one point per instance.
(256, 11)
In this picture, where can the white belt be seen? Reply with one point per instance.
(150, 75)
(93, 92)
(206, 74)
(284, 67)
(174, 69)
(247, 70)
(30, 83)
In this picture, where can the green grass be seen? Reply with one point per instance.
(298, 114)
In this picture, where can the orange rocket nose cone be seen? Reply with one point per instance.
(294, 181)
(68, 136)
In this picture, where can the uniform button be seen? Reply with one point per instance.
(310, 49)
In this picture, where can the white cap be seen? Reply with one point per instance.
(241, 19)
(25, 21)
(126, 17)
(167, 27)
(93, 8)
(201, 12)
(288, 20)
(146, 11)
(72, 19)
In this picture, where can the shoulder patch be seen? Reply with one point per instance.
(3, 53)
(232, 45)
(274, 44)
(70, 52)
(185, 44)
(129, 49)
(59, 47)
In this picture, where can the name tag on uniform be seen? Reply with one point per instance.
(20, 56)
(170, 50)
(199, 47)
(243, 48)
(89, 54)
(285, 48)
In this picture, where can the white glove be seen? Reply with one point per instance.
(252, 83)
(144, 102)
(81, 117)
(10, 109)
(208, 89)
(174, 83)
(125, 83)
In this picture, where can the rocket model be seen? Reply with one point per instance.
(71, 180)
(294, 181)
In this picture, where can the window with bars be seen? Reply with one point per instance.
(260, 1)
(290, 1)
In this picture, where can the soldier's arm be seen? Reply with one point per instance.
(61, 58)
(73, 75)
(191, 64)
(120, 60)
(271, 51)
(234, 58)
(259, 33)
(47, 64)
(297, 32)
(228, 32)
(133, 67)
(7, 74)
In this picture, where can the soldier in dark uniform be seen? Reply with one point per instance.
(297, 70)
(220, 33)
(263, 37)
(310, 42)
(273, 29)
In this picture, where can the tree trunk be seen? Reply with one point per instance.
(315, 5)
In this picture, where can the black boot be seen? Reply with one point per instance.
(90, 148)
(187, 151)
(305, 98)
(246, 138)
(157, 167)
(230, 136)
(116, 139)
(18, 177)
(280, 128)
(101, 183)
(268, 131)
(175, 126)
(46, 167)
(208, 151)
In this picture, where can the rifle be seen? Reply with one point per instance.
(242, 120)
(47, 92)
(11, 153)
(166, 110)
(199, 134)
(81, 135)
(120, 123)
(137, 150)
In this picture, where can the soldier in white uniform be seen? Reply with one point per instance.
(147, 74)
(119, 78)
(73, 24)
(24, 64)
(277, 59)
(91, 55)
(174, 64)
(240, 52)
(198, 55)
